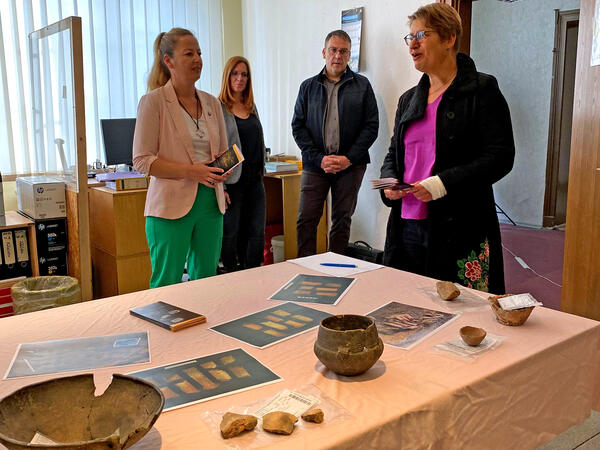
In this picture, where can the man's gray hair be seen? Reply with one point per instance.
(339, 33)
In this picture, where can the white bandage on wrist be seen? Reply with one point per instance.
(435, 187)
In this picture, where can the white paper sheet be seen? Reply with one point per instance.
(314, 262)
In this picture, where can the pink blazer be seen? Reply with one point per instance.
(161, 131)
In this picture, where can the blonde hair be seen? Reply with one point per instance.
(443, 18)
(226, 96)
(164, 44)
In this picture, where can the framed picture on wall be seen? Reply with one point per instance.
(352, 24)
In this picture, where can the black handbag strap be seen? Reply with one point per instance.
(363, 243)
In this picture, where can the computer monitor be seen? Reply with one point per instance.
(118, 140)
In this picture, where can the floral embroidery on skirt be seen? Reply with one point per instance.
(473, 271)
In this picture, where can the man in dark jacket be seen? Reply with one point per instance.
(335, 122)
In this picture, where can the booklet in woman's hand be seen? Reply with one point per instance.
(390, 183)
(229, 159)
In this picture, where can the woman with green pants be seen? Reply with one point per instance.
(180, 129)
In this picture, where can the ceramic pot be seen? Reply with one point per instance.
(348, 344)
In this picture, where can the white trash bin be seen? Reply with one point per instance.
(278, 248)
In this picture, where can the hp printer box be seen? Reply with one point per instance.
(41, 197)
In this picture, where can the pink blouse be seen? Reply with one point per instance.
(419, 157)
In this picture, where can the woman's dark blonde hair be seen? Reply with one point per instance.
(164, 44)
(443, 18)
(226, 96)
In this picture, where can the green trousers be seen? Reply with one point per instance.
(194, 238)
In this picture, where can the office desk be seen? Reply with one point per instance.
(120, 254)
(541, 380)
(283, 198)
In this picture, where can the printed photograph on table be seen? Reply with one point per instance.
(314, 289)
(201, 379)
(67, 355)
(272, 325)
(404, 326)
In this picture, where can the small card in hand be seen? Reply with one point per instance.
(390, 183)
(229, 159)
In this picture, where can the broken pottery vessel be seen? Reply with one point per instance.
(512, 318)
(67, 412)
(348, 344)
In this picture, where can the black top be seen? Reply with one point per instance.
(249, 131)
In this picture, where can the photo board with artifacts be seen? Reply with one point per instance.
(201, 379)
(67, 355)
(404, 326)
(272, 325)
(314, 289)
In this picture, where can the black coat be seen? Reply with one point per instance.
(474, 149)
(358, 119)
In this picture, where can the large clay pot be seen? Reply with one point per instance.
(348, 344)
(68, 412)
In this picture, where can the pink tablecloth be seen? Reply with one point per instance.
(541, 380)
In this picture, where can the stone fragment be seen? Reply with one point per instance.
(314, 415)
(279, 422)
(447, 290)
(234, 424)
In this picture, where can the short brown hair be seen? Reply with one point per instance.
(339, 33)
(443, 18)
(226, 96)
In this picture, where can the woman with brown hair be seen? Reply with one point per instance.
(180, 129)
(452, 141)
(244, 221)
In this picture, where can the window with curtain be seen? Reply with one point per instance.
(117, 51)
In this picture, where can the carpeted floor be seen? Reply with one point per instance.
(541, 252)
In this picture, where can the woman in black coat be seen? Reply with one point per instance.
(452, 140)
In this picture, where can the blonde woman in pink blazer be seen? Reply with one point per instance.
(179, 129)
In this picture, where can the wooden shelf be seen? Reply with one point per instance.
(15, 220)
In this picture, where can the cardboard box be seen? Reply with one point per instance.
(41, 197)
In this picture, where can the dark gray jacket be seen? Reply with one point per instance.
(358, 119)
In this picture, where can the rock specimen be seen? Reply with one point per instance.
(447, 290)
(279, 422)
(314, 415)
(234, 424)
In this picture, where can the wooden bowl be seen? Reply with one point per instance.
(67, 411)
(513, 318)
(472, 335)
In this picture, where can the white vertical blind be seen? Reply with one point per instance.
(117, 50)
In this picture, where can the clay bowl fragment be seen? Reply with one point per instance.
(512, 318)
(447, 290)
(472, 335)
(68, 413)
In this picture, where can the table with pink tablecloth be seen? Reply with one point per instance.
(542, 379)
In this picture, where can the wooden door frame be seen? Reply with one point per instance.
(464, 8)
(562, 20)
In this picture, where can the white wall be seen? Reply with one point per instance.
(514, 42)
(283, 41)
